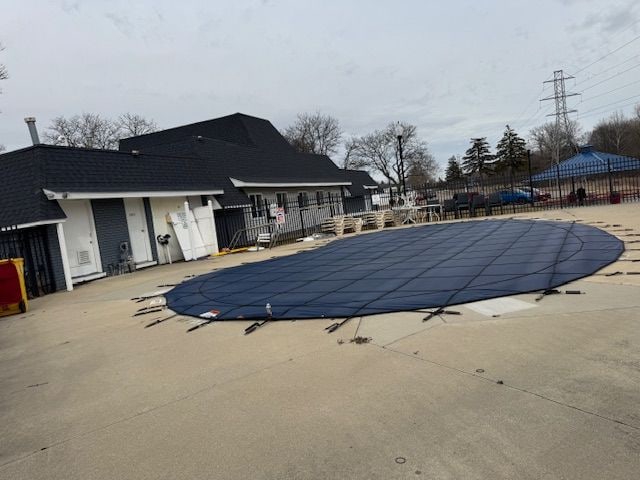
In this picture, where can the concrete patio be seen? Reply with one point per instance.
(521, 389)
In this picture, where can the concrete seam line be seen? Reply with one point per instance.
(158, 407)
(513, 387)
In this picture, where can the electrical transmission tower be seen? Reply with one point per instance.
(562, 114)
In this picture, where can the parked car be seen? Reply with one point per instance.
(514, 196)
(538, 195)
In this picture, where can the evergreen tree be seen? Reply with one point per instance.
(478, 158)
(510, 151)
(453, 172)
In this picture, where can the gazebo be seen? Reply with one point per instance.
(586, 163)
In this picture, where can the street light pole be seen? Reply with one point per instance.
(399, 133)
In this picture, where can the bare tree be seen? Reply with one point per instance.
(422, 168)
(90, 130)
(314, 133)
(618, 130)
(132, 125)
(4, 73)
(379, 153)
(636, 128)
(543, 138)
(351, 160)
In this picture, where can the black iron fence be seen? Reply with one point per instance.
(560, 186)
(470, 196)
(31, 244)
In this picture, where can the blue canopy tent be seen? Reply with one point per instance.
(588, 162)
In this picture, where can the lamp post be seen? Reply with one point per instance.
(399, 132)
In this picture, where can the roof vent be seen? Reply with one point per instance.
(135, 153)
(199, 138)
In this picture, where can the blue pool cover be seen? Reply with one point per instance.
(405, 269)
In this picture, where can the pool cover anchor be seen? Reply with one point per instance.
(200, 325)
(438, 313)
(335, 326)
(555, 291)
(160, 320)
(254, 326)
(148, 310)
(210, 317)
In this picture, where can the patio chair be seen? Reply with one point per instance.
(494, 200)
(478, 202)
(449, 206)
(462, 202)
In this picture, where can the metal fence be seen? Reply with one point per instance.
(469, 196)
(291, 220)
(555, 188)
(32, 244)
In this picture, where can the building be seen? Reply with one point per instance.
(79, 214)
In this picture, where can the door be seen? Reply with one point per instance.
(138, 234)
(80, 237)
(207, 228)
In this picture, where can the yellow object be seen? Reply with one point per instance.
(13, 294)
(235, 250)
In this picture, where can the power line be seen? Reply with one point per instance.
(611, 77)
(607, 70)
(609, 104)
(533, 117)
(610, 91)
(533, 101)
(610, 53)
(607, 111)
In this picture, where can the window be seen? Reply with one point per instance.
(257, 205)
(281, 200)
(319, 197)
(303, 199)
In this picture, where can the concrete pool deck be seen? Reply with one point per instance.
(87, 392)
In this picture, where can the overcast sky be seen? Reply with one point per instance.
(456, 69)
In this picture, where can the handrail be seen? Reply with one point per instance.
(238, 233)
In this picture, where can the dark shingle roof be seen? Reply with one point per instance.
(21, 197)
(256, 165)
(238, 128)
(359, 179)
(68, 169)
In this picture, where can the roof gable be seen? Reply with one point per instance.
(239, 129)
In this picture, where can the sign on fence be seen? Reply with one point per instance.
(280, 216)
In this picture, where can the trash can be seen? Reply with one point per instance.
(13, 295)
(615, 197)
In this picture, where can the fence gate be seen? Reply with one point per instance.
(32, 244)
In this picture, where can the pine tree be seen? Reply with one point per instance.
(478, 158)
(453, 172)
(510, 151)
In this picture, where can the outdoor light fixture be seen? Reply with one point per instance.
(399, 133)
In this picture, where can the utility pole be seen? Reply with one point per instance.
(562, 114)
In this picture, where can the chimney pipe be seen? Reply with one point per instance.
(33, 131)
